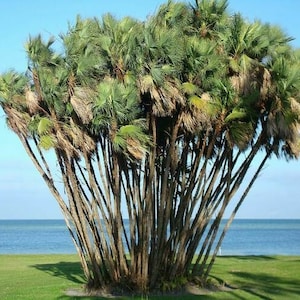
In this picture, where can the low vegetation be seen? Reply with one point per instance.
(30, 277)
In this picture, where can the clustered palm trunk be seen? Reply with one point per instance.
(151, 129)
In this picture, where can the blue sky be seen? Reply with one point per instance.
(23, 194)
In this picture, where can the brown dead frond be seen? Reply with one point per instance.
(81, 140)
(198, 114)
(295, 106)
(294, 146)
(195, 120)
(17, 121)
(242, 83)
(64, 144)
(189, 122)
(135, 149)
(32, 101)
(81, 101)
(277, 126)
(265, 83)
(165, 99)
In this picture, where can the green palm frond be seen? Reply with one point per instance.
(45, 125)
(278, 42)
(12, 86)
(82, 46)
(203, 62)
(203, 104)
(47, 142)
(133, 139)
(130, 131)
(240, 134)
(119, 42)
(41, 52)
(197, 102)
(134, 131)
(286, 74)
(40, 125)
(209, 14)
(116, 101)
(157, 75)
(106, 43)
(225, 94)
(172, 14)
(236, 114)
(119, 143)
(160, 46)
(189, 88)
(292, 83)
(246, 44)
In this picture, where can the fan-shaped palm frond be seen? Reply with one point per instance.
(120, 43)
(47, 142)
(190, 88)
(40, 53)
(209, 15)
(12, 87)
(203, 63)
(172, 14)
(240, 134)
(45, 126)
(115, 105)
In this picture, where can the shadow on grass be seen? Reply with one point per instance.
(248, 257)
(68, 270)
(65, 297)
(265, 286)
(71, 271)
(258, 284)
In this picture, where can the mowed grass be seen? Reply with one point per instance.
(29, 277)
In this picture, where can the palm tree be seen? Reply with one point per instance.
(154, 138)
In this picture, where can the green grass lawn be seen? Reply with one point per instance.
(29, 277)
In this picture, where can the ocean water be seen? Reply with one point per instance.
(262, 237)
(245, 237)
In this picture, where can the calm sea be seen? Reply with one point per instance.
(245, 237)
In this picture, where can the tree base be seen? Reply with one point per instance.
(189, 288)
